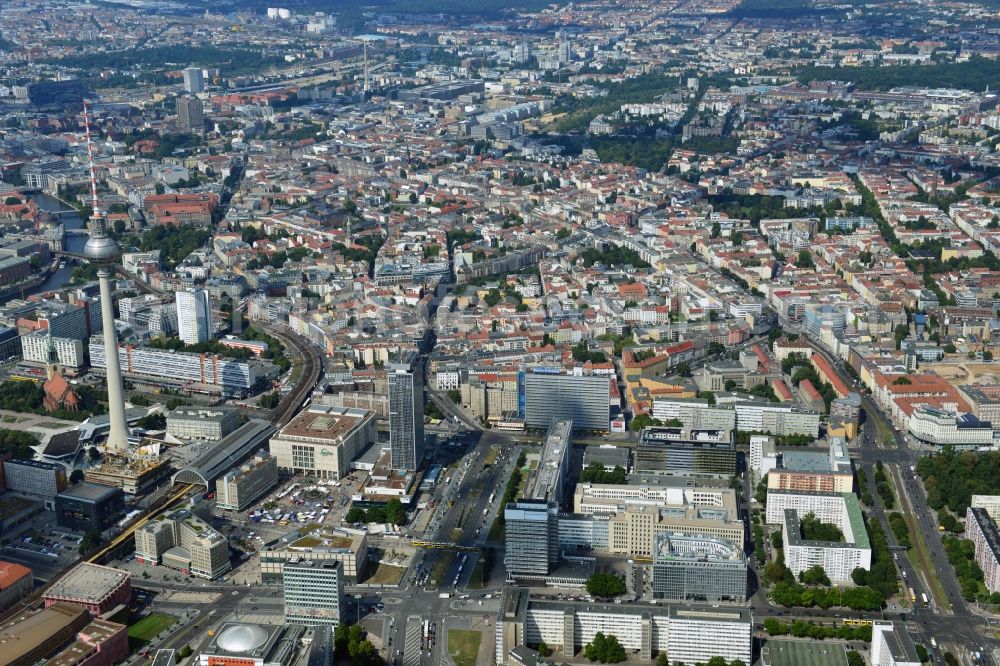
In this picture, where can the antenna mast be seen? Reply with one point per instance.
(96, 214)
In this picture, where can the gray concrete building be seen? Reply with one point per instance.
(692, 567)
(313, 590)
(582, 399)
(241, 487)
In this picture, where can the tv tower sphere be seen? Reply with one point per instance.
(100, 249)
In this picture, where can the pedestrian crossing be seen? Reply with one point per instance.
(414, 634)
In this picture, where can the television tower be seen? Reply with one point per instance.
(102, 251)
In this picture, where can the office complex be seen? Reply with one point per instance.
(698, 568)
(695, 414)
(531, 538)
(194, 80)
(322, 441)
(181, 540)
(981, 530)
(241, 487)
(625, 520)
(838, 559)
(892, 645)
(685, 453)
(194, 316)
(688, 633)
(34, 479)
(313, 590)
(940, 427)
(778, 420)
(350, 550)
(210, 423)
(582, 399)
(92, 587)
(190, 115)
(16, 582)
(406, 412)
(546, 482)
(184, 369)
(88, 507)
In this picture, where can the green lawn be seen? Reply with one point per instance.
(386, 574)
(463, 646)
(148, 628)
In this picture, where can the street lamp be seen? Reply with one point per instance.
(357, 598)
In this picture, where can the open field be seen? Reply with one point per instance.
(463, 646)
(386, 574)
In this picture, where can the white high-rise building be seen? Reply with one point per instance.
(194, 316)
(194, 80)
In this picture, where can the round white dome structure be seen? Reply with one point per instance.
(242, 638)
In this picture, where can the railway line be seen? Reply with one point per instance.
(174, 496)
(312, 366)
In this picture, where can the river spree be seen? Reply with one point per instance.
(72, 243)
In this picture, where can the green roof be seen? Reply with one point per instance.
(857, 521)
(803, 653)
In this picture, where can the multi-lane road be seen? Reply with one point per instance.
(958, 626)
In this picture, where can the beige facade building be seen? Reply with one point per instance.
(491, 398)
(322, 441)
(238, 489)
(351, 550)
(181, 540)
(829, 482)
(632, 531)
(636, 514)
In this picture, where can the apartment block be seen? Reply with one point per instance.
(892, 645)
(981, 530)
(688, 633)
(838, 559)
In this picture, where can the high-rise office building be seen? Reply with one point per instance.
(582, 399)
(194, 316)
(406, 411)
(194, 80)
(693, 567)
(190, 114)
(531, 536)
(313, 591)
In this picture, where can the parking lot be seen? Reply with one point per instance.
(41, 546)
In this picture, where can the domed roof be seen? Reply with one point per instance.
(241, 638)
(100, 248)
